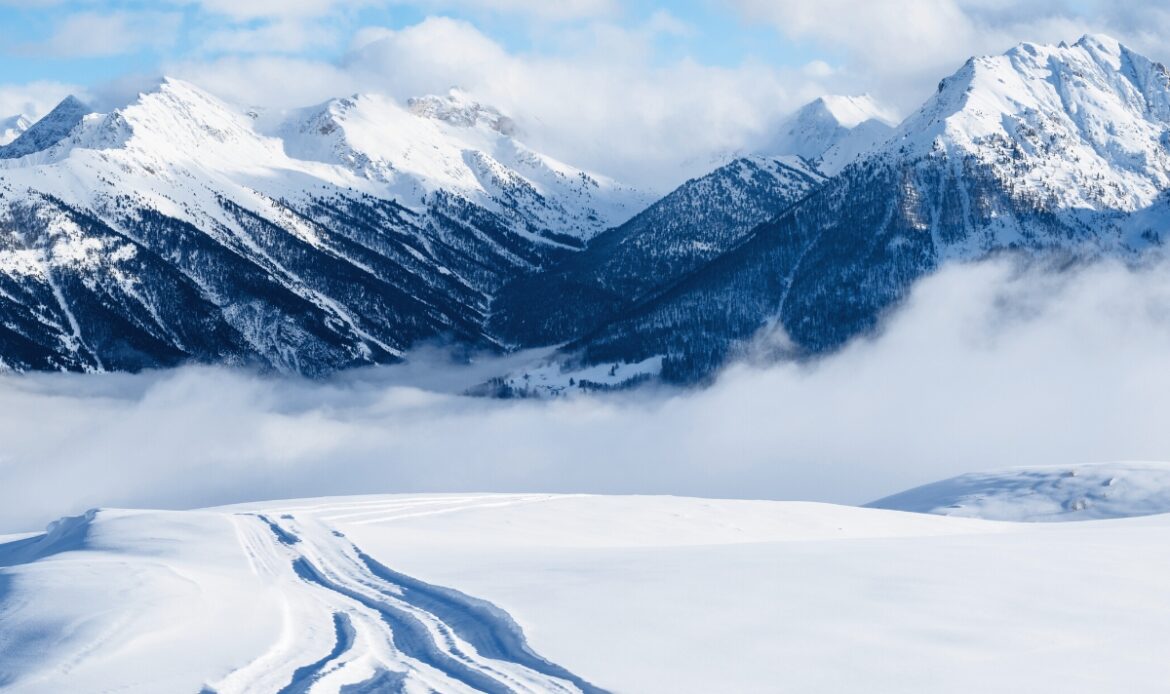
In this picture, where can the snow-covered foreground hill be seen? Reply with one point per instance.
(581, 593)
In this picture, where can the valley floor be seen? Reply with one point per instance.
(546, 593)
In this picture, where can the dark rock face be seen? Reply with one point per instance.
(48, 131)
(146, 290)
(826, 270)
(624, 267)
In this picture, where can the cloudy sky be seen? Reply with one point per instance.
(626, 87)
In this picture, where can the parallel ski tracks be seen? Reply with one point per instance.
(356, 626)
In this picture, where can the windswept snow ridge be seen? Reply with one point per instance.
(1066, 493)
(457, 146)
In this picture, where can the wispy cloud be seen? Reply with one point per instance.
(35, 99)
(98, 34)
(259, 9)
(273, 37)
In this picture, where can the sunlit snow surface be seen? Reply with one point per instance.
(581, 593)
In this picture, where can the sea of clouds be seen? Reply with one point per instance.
(986, 366)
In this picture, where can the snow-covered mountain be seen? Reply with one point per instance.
(182, 228)
(12, 128)
(455, 145)
(1081, 131)
(46, 132)
(698, 222)
(833, 131)
(694, 225)
(1058, 149)
(172, 229)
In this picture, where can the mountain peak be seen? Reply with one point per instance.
(1090, 121)
(177, 91)
(457, 108)
(49, 130)
(833, 131)
(453, 145)
(71, 103)
(12, 128)
(1096, 73)
(178, 118)
(1100, 42)
(851, 111)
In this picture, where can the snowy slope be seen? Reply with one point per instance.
(169, 229)
(1081, 126)
(459, 146)
(1067, 493)
(320, 595)
(833, 131)
(233, 602)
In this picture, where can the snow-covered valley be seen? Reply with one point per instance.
(581, 593)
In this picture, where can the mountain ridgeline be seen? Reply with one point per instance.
(181, 229)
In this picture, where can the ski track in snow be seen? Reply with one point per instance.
(386, 631)
(286, 597)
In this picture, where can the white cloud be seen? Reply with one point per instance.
(663, 22)
(33, 100)
(819, 69)
(268, 81)
(279, 36)
(987, 366)
(555, 10)
(258, 9)
(610, 109)
(898, 49)
(97, 34)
